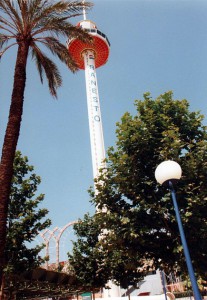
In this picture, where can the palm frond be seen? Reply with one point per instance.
(3, 40)
(6, 48)
(9, 26)
(4, 36)
(60, 27)
(35, 7)
(49, 12)
(50, 69)
(45, 10)
(23, 6)
(46, 22)
(7, 6)
(60, 50)
(38, 63)
(75, 7)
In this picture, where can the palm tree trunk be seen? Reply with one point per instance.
(10, 143)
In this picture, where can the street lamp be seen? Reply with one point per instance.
(166, 173)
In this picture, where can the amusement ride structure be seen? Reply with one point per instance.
(56, 233)
(89, 57)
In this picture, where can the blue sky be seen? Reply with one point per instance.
(156, 46)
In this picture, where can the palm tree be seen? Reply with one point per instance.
(30, 24)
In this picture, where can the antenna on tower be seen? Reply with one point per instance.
(84, 10)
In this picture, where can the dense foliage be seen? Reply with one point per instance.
(136, 219)
(87, 259)
(25, 219)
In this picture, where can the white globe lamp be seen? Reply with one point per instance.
(168, 170)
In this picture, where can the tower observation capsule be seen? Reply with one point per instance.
(88, 57)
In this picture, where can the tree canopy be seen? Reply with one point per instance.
(25, 219)
(135, 215)
(87, 259)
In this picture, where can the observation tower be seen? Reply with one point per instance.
(89, 57)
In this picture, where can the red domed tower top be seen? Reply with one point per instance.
(100, 45)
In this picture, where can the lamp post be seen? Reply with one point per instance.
(166, 173)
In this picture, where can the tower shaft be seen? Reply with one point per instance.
(94, 113)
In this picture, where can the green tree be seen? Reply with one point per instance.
(25, 219)
(136, 212)
(87, 258)
(30, 24)
(96, 259)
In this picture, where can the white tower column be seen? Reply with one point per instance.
(90, 56)
(94, 113)
(96, 133)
